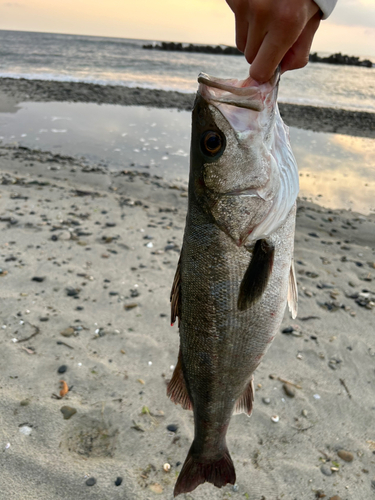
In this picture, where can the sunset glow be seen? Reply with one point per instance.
(350, 29)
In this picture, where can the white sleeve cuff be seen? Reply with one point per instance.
(326, 6)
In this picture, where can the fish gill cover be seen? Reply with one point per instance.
(252, 111)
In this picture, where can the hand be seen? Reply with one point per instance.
(270, 32)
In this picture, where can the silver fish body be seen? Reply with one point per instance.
(236, 265)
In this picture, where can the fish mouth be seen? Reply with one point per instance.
(248, 93)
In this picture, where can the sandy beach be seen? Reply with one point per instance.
(87, 261)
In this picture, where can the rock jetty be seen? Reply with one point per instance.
(206, 49)
(341, 59)
(337, 58)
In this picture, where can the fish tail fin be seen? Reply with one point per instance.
(195, 472)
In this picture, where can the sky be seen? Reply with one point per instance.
(350, 29)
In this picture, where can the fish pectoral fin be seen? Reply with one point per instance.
(292, 292)
(175, 297)
(176, 389)
(257, 275)
(244, 403)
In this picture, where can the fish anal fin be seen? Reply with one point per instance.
(244, 403)
(257, 274)
(292, 292)
(196, 471)
(175, 295)
(177, 390)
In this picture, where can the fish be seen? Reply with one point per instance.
(235, 274)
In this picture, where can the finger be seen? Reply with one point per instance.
(241, 22)
(242, 28)
(282, 33)
(298, 55)
(269, 56)
(255, 37)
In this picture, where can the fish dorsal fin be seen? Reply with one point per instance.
(244, 403)
(257, 275)
(292, 292)
(176, 389)
(175, 295)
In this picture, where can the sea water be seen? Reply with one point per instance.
(337, 171)
(119, 61)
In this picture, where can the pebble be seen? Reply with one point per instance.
(25, 402)
(326, 470)
(320, 494)
(288, 329)
(304, 413)
(266, 401)
(118, 481)
(172, 427)
(72, 292)
(25, 430)
(62, 369)
(346, 455)
(68, 332)
(289, 390)
(334, 363)
(91, 481)
(38, 279)
(311, 274)
(156, 488)
(67, 412)
(323, 286)
(127, 307)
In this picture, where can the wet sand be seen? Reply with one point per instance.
(318, 119)
(87, 261)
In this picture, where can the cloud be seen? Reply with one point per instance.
(14, 4)
(354, 13)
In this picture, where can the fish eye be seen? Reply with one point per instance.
(212, 143)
